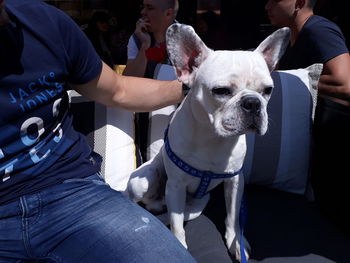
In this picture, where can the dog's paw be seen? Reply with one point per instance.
(234, 244)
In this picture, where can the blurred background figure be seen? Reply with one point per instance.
(315, 39)
(119, 40)
(146, 47)
(98, 31)
(212, 31)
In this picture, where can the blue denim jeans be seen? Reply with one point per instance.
(84, 220)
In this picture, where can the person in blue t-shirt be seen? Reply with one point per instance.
(54, 206)
(315, 39)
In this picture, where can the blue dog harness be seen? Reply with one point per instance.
(205, 176)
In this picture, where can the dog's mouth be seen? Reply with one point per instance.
(235, 130)
(254, 128)
(251, 124)
(229, 129)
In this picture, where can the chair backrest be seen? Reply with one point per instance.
(110, 133)
(281, 158)
(159, 119)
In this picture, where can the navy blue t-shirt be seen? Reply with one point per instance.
(319, 41)
(41, 50)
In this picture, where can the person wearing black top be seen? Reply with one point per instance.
(315, 39)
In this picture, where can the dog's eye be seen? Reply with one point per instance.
(221, 91)
(267, 90)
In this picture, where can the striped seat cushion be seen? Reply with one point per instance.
(280, 159)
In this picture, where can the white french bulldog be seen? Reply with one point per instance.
(205, 141)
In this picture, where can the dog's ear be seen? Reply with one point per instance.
(186, 50)
(273, 47)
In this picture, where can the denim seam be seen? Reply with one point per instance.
(100, 181)
(39, 209)
(25, 233)
(55, 258)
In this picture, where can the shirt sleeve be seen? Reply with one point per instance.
(132, 48)
(84, 64)
(328, 40)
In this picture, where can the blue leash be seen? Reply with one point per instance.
(206, 177)
(242, 222)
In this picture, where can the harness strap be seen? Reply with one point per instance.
(205, 176)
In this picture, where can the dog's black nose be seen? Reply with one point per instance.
(251, 104)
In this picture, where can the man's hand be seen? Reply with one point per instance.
(141, 31)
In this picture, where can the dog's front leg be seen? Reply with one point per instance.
(234, 188)
(175, 196)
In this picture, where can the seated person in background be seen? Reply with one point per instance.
(98, 32)
(54, 204)
(314, 39)
(147, 44)
(146, 49)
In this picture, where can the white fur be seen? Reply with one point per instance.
(207, 130)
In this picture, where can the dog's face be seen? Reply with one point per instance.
(229, 89)
(234, 88)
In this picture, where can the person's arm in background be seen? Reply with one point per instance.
(335, 78)
(131, 93)
(137, 66)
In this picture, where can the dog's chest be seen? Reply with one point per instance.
(202, 169)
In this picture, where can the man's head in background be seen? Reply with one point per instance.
(160, 14)
(286, 12)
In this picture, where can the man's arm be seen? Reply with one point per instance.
(137, 66)
(131, 93)
(335, 78)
